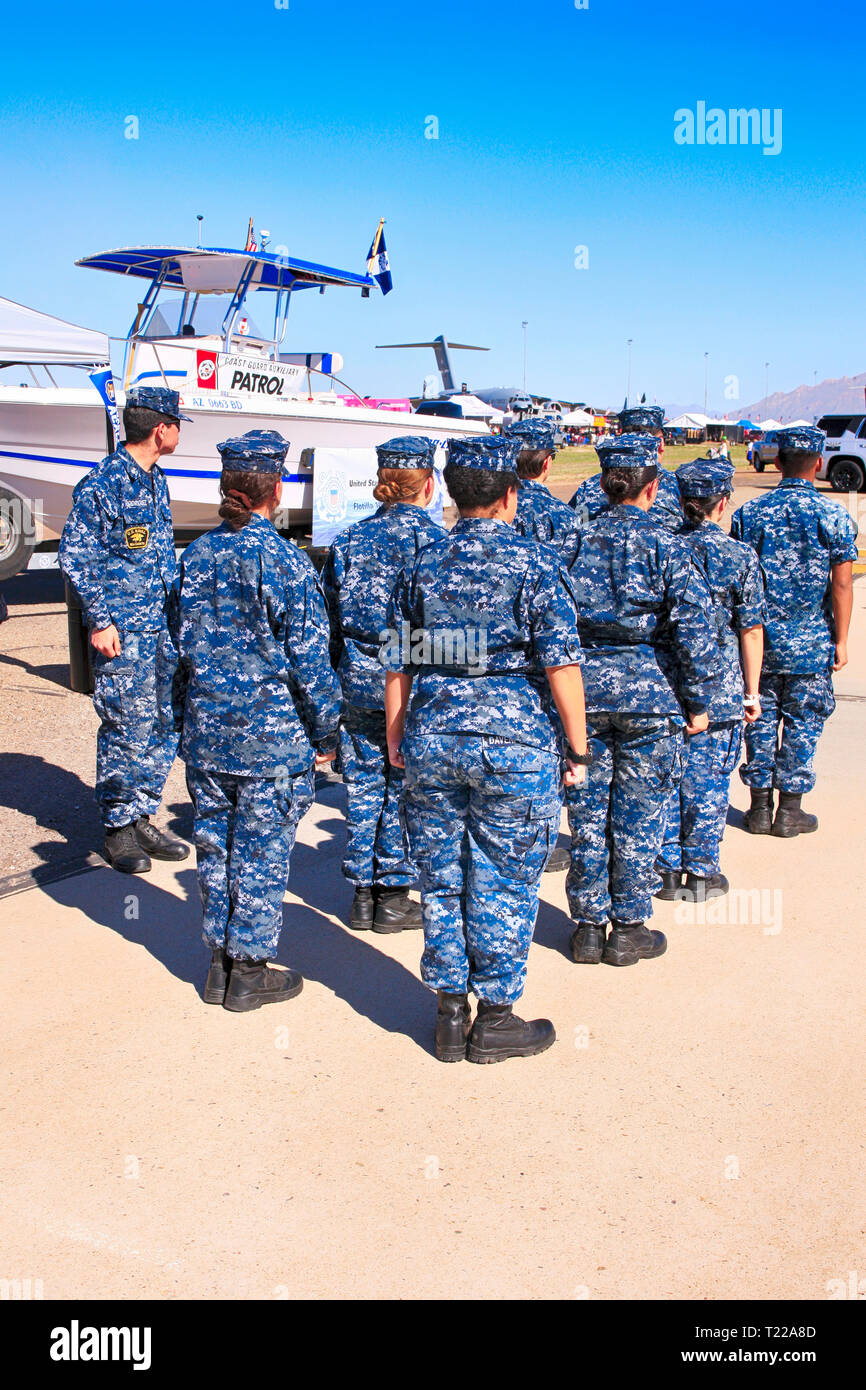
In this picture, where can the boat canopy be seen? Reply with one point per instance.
(219, 270)
(28, 336)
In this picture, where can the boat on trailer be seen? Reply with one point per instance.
(231, 378)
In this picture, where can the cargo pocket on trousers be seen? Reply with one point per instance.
(516, 837)
(108, 700)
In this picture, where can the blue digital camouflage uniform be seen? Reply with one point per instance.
(359, 574)
(117, 552)
(589, 499)
(479, 616)
(798, 535)
(697, 811)
(256, 697)
(637, 590)
(539, 514)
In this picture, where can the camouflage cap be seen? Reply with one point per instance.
(641, 444)
(257, 451)
(801, 439)
(406, 451)
(534, 434)
(642, 417)
(705, 478)
(159, 398)
(495, 452)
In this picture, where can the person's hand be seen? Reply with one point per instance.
(574, 775)
(395, 757)
(752, 712)
(697, 723)
(322, 758)
(106, 641)
(841, 656)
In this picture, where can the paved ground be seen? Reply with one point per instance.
(696, 1132)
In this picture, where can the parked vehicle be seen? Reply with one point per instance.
(765, 451)
(844, 459)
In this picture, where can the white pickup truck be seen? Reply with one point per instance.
(844, 460)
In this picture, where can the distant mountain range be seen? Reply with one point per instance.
(832, 397)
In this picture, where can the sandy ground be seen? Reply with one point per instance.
(696, 1132)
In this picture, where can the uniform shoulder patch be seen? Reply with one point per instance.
(137, 537)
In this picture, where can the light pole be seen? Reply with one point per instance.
(628, 377)
(766, 382)
(706, 379)
(524, 326)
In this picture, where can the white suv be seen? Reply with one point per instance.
(844, 458)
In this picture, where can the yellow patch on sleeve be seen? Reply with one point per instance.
(136, 537)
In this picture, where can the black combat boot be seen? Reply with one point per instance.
(587, 943)
(558, 860)
(123, 851)
(498, 1034)
(672, 881)
(790, 820)
(362, 909)
(759, 817)
(214, 991)
(630, 942)
(159, 844)
(700, 890)
(395, 911)
(453, 1026)
(253, 983)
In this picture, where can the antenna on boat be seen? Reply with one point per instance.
(199, 219)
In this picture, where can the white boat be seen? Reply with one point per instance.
(230, 378)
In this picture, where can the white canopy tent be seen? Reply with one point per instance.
(575, 418)
(29, 337)
(473, 408)
(690, 421)
(768, 424)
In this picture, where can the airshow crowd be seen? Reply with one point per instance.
(612, 654)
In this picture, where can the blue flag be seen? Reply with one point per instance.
(377, 260)
(104, 382)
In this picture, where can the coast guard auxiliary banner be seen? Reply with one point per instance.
(247, 376)
(343, 483)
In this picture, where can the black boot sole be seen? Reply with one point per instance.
(760, 829)
(168, 855)
(667, 895)
(120, 869)
(391, 928)
(213, 996)
(248, 1002)
(584, 956)
(786, 834)
(633, 959)
(479, 1055)
(451, 1054)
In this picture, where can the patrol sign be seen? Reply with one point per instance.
(239, 375)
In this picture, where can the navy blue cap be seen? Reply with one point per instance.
(645, 446)
(406, 451)
(495, 452)
(642, 417)
(804, 439)
(257, 451)
(534, 434)
(705, 478)
(158, 398)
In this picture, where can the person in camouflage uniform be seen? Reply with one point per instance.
(361, 569)
(117, 552)
(472, 625)
(257, 704)
(698, 809)
(540, 514)
(637, 590)
(636, 424)
(806, 545)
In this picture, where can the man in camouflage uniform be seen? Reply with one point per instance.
(472, 626)
(636, 424)
(638, 591)
(257, 700)
(806, 546)
(117, 552)
(360, 572)
(697, 811)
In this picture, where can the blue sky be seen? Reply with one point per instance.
(556, 130)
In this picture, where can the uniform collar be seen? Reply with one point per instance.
(796, 482)
(133, 467)
(478, 523)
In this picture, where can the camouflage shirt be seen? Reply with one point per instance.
(542, 516)
(590, 500)
(798, 535)
(475, 621)
(359, 574)
(647, 643)
(733, 576)
(117, 547)
(254, 691)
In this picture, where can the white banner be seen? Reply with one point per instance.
(246, 376)
(343, 483)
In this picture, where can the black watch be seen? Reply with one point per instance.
(581, 759)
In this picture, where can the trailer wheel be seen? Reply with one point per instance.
(17, 534)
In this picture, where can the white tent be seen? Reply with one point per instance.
(793, 423)
(472, 407)
(689, 422)
(26, 336)
(576, 417)
(768, 424)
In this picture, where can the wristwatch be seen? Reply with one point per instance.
(581, 759)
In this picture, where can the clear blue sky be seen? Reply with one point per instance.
(555, 130)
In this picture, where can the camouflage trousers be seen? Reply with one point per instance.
(136, 742)
(698, 810)
(617, 816)
(780, 747)
(376, 848)
(481, 816)
(244, 835)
